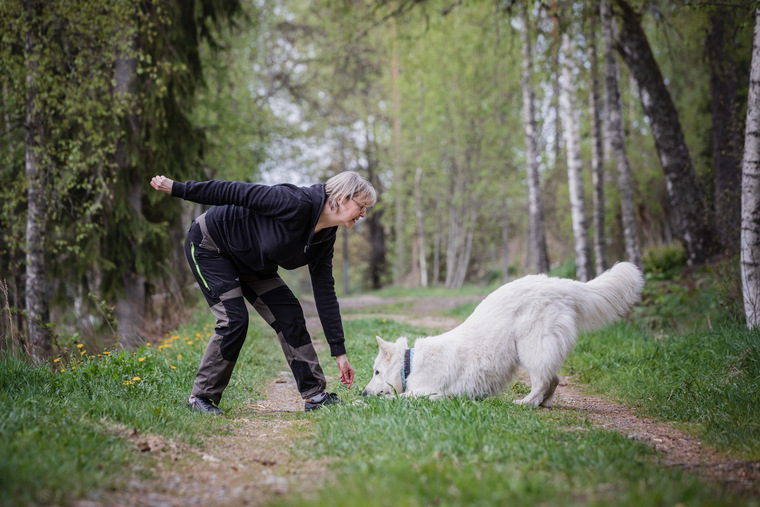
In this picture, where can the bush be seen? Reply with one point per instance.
(664, 262)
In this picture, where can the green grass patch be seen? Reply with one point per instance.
(485, 452)
(59, 426)
(708, 379)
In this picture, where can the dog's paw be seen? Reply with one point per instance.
(527, 401)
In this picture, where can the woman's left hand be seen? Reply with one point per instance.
(346, 370)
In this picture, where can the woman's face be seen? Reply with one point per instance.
(351, 210)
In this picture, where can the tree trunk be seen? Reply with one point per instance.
(690, 216)
(583, 266)
(597, 153)
(617, 137)
(399, 267)
(505, 260)
(418, 206)
(536, 208)
(750, 225)
(37, 307)
(726, 130)
(378, 248)
(130, 307)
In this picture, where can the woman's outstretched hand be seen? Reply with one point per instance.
(346, 370)
(162, 184)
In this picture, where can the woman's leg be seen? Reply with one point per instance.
(279, 307)
(217, 278)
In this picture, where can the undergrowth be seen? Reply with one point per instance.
(62, 429)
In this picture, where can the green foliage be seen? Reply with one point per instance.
(664, 262)
(677, 301)
(68, 429)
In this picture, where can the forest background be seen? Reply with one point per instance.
(504, 137)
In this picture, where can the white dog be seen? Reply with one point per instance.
(531, 322)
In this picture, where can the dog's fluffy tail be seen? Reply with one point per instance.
(609, 296)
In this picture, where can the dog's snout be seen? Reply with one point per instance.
(364, 393)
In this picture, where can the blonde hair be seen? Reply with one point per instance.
(347, 185)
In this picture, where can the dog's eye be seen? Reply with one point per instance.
(377, 372)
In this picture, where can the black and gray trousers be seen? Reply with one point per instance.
(226, 290)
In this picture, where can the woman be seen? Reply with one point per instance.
(235, 250)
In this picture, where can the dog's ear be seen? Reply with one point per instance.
(386, 348)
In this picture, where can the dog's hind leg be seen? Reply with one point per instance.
(542, 389)
(549, 392)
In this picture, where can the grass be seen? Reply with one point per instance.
(61, 439)
(489, 452)
(62, 428)
(708, 379)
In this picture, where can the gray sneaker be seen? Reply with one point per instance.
(203, 404)
(329, 399)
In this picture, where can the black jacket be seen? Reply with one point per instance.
(260, 228)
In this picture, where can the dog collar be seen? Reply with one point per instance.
(407, 369)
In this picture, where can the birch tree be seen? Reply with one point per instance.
(616, 136)
(583, 264)
(687, 203)
(750, 226)
(36, 283)
(130, 305)
(597, 149)
(537, 238)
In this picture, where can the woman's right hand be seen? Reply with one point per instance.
(162, 184)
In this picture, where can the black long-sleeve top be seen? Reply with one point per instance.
(261, 227)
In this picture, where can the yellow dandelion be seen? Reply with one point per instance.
(141, 359)
(209, 334)
(189, 343)
(106, 353)
(179, 357)
(383, 321)
(79, 345)
(147, 344)
(173, 367)
(83, 353)
(127, 383)
(73, 367)
(197, 335)
(57, 360)
(160, 348)
(135, 378)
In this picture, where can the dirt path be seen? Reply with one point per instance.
(252, 463)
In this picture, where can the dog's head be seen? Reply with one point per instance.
(388, 363)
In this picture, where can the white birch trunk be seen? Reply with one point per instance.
(583, 267)
(130, 306)
(750, 236)
(536, 210)
(37, 309)
(617, 138)
(597, 154)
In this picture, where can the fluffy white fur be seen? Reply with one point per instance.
(531, 322)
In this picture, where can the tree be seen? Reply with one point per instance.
(36, 282)
(597, 148)
(616, 135)
(583, 261)
(750, 224)
(537, 238)
(684, 194)
(725, 128)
